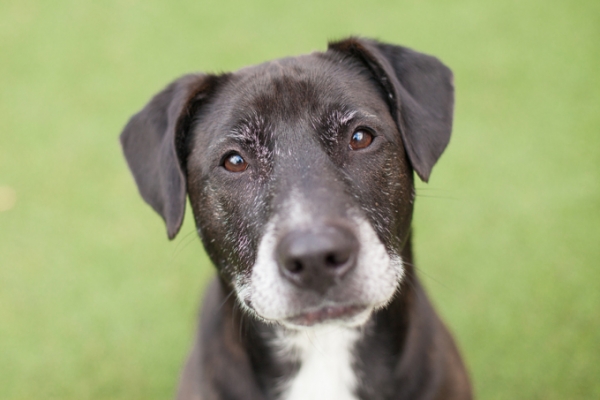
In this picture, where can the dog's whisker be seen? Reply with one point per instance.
(429, 276)
(241, 322)
(431, 189)
(437, 197)
(181, 246)
(410, 283)
(226, 298)
(234, 320)
(185, 236)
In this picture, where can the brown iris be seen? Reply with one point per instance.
(361, 139)
(235, 163)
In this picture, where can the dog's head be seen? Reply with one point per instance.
(299, 173)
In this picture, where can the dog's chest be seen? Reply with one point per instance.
(326, 360)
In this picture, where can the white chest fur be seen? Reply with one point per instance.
(325, 355)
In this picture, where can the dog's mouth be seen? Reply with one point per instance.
(350, 314)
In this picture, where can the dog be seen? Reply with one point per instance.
(300, 172)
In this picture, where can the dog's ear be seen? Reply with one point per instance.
(420, 93)
(154, 144)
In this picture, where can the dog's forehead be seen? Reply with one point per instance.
(299, 88)
(297, 74)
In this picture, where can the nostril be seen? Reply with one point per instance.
(335, 260)
(331, 260)
(294, 266)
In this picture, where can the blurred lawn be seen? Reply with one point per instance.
(95, 303)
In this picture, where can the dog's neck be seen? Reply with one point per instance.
(330, 361)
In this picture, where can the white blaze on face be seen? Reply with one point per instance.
(372, 283)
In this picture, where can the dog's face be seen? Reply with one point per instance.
(301, 189)
(299, 172)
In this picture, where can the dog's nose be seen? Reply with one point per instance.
(317, 259)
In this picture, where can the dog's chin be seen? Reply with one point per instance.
(342, 315)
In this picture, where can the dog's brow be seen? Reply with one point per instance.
(250, 129)
(253, 132)
(340, 117)
(332, 122)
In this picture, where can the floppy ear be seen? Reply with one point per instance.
(154, 145)
(420, 93)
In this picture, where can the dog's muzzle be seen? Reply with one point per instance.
(309, 272)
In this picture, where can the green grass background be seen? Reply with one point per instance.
(95, 303)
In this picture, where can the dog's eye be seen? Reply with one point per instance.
(360, 139)
(235, 163)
